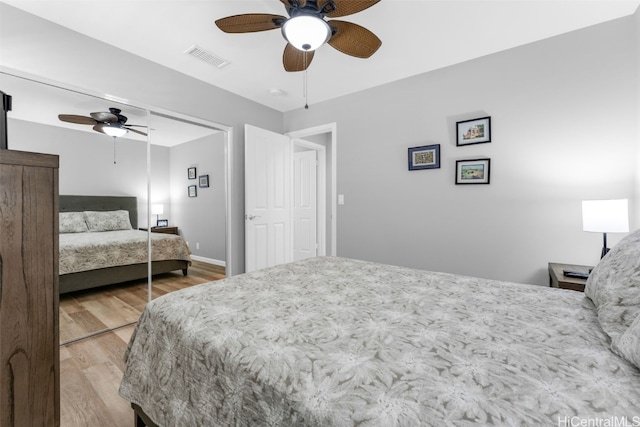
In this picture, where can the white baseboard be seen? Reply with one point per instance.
(208, 260)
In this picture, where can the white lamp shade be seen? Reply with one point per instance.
(111, 129)
(605, 216)
(157, 209)
(306, 32)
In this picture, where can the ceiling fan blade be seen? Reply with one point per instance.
(104, 117)
(250, 23)
(347, 7)
(353, 39)
(296, 60)
(135, 131)
(80, 120)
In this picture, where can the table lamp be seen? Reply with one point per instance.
(157, 210)
(605, 216)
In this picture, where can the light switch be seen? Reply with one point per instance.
(341, 199)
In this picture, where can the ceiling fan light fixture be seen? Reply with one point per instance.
(112, 129)
(306, 33)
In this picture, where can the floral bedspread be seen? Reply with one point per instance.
(94, 250)
(338, 342)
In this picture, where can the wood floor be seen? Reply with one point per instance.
(91, 367)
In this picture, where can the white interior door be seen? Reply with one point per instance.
(267, 165)
(305, 209)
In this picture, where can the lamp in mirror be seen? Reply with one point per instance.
(157, 209)
(605, 216)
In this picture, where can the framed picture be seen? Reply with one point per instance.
(476, 171)
(193, 191)
(425, 157)
(203, 181)
(163, 223)
(191, 173)
(476, 131)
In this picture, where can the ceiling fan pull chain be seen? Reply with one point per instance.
(304, 80)
(114, 150)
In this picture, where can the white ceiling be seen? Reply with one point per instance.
(417, 36)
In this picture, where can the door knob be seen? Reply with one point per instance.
(251, 217)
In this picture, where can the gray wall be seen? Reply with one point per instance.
(564, 114)
(33, 45)
(201, 219)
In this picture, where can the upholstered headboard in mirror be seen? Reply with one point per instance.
(70, 203)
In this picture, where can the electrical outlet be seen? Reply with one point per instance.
(341, 199)
(197, 245)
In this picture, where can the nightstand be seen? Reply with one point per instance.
(165, 230)
(557, 279)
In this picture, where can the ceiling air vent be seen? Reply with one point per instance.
(207, 57)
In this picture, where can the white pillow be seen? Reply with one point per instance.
(107, 220)
(614, 286)
(72, 222)
(627, 345)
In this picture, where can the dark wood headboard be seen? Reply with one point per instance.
(101, 203)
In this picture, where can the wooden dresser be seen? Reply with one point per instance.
(29, 347)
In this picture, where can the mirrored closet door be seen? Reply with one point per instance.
(103, 187)
(168, 173)
(188, 195)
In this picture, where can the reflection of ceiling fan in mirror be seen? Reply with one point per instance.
(112, 123)
(306, 29)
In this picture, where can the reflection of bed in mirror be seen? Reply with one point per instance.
(100, 244)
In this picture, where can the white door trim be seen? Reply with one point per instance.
(332, 129)
(304, 201)
(321, 152)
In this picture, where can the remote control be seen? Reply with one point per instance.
(577, 274)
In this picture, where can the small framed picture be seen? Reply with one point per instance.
(163, 223)
(476, 171)
(425, 157)
(191, 173)
(193, 191)
(475, 131)
(203, 181)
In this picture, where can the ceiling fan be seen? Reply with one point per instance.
(306, 29)
(112, 123)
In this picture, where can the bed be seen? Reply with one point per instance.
(100, 244)
(331, 341)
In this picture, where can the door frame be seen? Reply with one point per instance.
(331, 129)
(321, 193)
